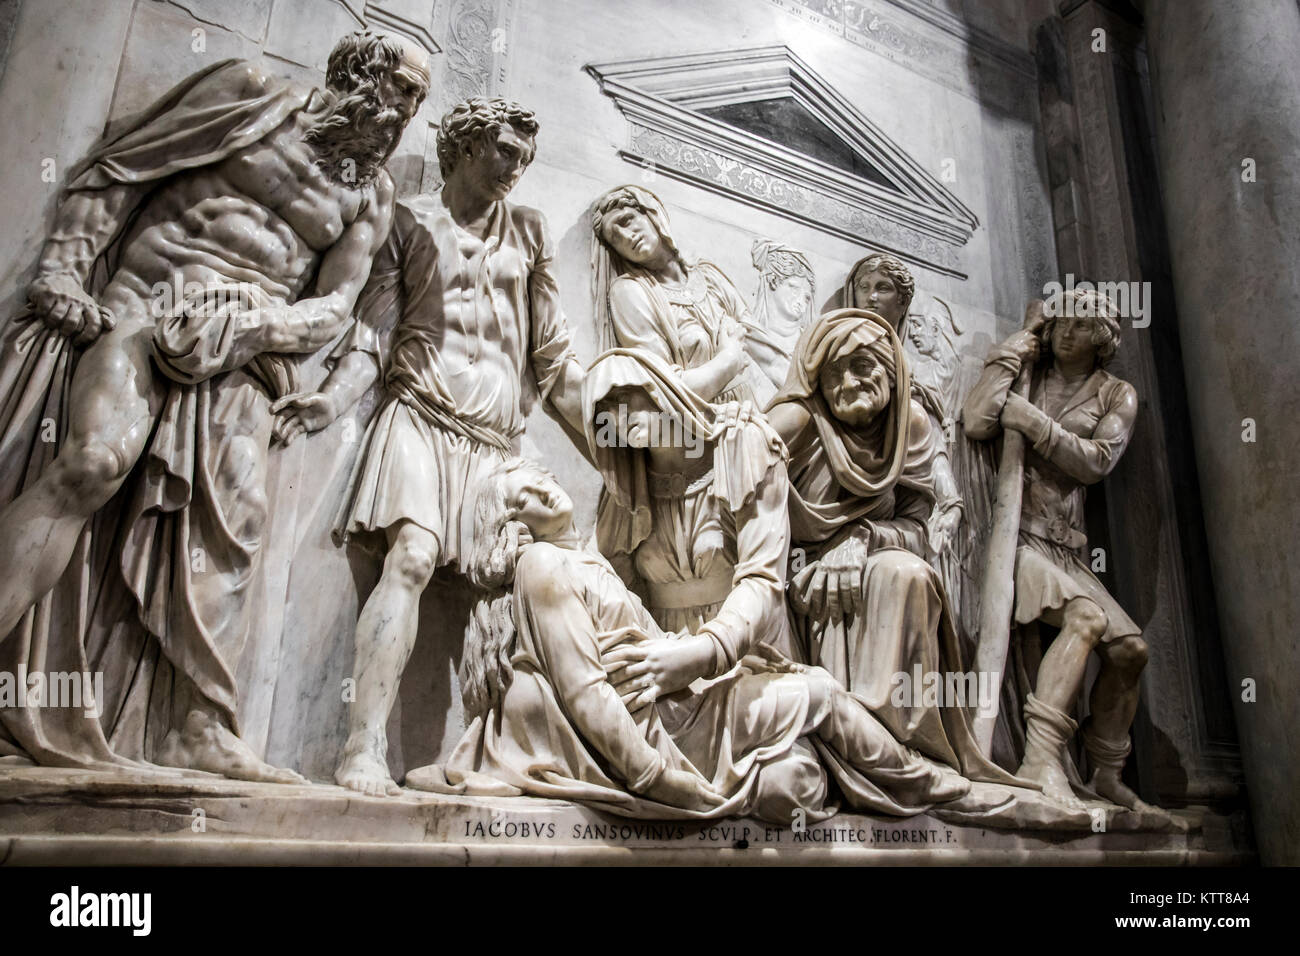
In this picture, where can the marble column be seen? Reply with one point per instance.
(1226, 85)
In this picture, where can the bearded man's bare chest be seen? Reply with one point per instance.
(266, 212)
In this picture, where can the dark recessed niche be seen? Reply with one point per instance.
(785, 122)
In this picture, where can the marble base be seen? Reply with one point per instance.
(63, 817)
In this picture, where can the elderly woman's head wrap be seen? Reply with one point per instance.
(624, 520)
(866, 462)
(606, 264)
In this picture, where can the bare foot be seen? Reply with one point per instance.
(368, 774)
(1055, 784)
(1108, 784)
(207, 744)
(951, 786)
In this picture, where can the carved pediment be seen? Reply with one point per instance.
(761, 126)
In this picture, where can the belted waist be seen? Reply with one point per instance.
(695, 592)
(1056, 530)
(440, 417)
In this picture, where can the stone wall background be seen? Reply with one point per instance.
(944, 81)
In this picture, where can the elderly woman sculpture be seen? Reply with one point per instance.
(552, 724)
(882, 284)
(1077, 422)
(649, 296)
(782, 307)
(866, 606)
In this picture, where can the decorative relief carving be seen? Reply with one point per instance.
(948, 54)
(705, 167)
(469, 49)
(666, 101)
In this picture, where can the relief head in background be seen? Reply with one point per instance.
(649, 296)
(782, 307)
(882, 284)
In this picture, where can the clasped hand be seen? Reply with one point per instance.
(300, 413)
(832, 585)
(642, 673)
(63, 304)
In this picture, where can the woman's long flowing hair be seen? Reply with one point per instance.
(485, 671)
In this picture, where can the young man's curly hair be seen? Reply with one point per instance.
(474, 118)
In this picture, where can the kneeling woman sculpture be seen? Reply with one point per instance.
(555, 725)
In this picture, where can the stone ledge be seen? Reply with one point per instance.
(62, 817)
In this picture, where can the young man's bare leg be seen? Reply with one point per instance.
(386, 633)
(1113, 704)
(1047, 712)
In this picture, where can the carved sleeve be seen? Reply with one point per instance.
(758, 582)
(565, 638)
(551, 342)
(982, 412)
(1088, 460)
(635, 324)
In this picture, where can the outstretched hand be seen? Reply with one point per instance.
(63, 304)
(300, 413)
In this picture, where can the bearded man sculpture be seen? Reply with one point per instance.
(180, 261)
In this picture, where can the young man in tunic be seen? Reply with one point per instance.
(466, 284)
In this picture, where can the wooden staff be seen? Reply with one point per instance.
(998, 585)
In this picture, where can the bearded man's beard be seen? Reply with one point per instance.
(355, 138)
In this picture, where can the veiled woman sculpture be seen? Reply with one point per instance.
(694, 515)
(649, 296)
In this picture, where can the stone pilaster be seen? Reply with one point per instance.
(1226, 85)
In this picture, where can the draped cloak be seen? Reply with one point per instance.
(877, 484)
(143, 538)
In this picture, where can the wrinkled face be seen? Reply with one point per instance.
(404, 88)
(878, 293)
(537, 500)
(1072, 339)
(631, 234)
(794, 297)
(636, 418)
(498, 158)
(856, 387)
